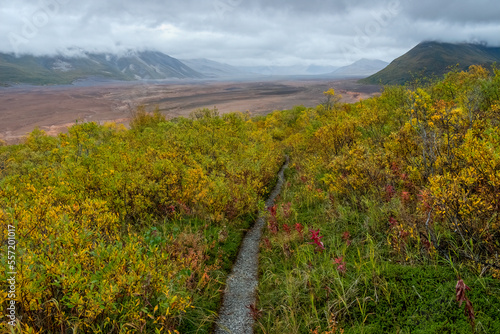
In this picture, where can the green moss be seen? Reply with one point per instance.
(421, 299)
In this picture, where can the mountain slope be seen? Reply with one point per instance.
(213, 69)
(154, 65)
(434, 59)
(64, 70)
(51, 70)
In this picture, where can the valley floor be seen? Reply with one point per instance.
(55, 108)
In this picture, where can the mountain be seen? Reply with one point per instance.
(213, 69)
(360, 68)
(429, 59)
(151, 65)
(62, 69)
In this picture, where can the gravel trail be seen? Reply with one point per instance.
(241, 284)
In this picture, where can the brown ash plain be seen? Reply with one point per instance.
(55, 108)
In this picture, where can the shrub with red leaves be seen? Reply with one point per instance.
(299, 228)
(389, 192)
(287, 229)
(316, 238)
(426, 244)
(272, 211)
(273, 221)
(341, 267)
(267, 243)
(184, 207)
(425, 201)
(273, 227)
(393, 222)
(395, 168)
(346, 235)
(403, 235)
(287, 209)
(255, 313)
(460, 289)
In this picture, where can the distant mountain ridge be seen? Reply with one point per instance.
(154, 65)
(429, 59)
(361, 68)
(134, 65)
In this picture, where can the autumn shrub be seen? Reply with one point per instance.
(408, 207)
(94, 211)
(142, 119)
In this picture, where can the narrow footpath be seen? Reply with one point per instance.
(235, 316)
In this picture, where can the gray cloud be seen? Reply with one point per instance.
(458, 12)
(251, 32)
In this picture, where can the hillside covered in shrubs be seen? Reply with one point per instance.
(388, 219)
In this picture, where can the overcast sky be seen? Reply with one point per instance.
(247, 32)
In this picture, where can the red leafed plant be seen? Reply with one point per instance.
(460, 289)
(287, 228)
(340, 264)
(184, 208)
(389, 192)
(287, 209)
(316, 238)
(425, 200)
(346, 235)
(393, 222)
(267, 243)
(273, 221)
(273, 227)
(395, 168)
(272, 211)
(255, 313)
(299, 228)
(405, 196)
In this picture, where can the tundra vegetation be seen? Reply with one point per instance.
(387, 222)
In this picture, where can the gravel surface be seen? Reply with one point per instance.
(235, 316)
